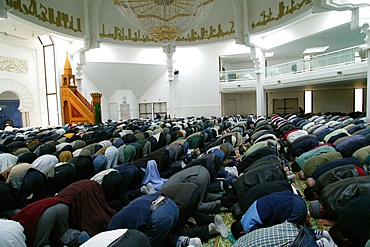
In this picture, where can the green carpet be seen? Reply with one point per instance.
(219, 241)
(301, 185)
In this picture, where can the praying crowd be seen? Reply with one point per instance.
(166, 182)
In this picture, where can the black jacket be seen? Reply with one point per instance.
(336, 195)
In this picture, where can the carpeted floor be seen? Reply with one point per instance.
(219, 241)
(228, 219)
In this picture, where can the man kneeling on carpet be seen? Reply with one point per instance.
(156, 215)
(270, 210)
(274, 219)
(49, 222)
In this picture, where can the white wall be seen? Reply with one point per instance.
(126, 54)
(130, 99)
(245, 103)
(8, 96)
(196, 87)
(33, 80)
(159, 91)
(333, 100)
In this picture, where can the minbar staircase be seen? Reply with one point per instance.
(76, 108)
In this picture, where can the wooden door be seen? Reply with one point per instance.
(285, 106)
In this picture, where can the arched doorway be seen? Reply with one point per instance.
(9, 112)
(17, 101)
(66, 113)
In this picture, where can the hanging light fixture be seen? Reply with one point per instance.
(164, 20)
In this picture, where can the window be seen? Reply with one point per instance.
(148, 110)
(145, 110)
(50, 80)
(359, 99)
(307, 101)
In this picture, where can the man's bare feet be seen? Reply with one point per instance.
(237, 156)
(301, 175)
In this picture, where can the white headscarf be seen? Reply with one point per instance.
(46, 164)
(112, 155)
(7, 160)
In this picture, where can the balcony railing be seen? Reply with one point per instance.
(311, 63)
(237, 75)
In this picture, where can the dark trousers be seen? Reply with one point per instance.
(53, 226)
(200, 230)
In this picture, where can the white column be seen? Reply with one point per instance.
(25, 119)
(365, 29)
(259, 64)
(169, 50)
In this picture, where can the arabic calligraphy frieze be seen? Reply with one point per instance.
(12, 64)
(128, 34)
(46, 14)
(268, 16)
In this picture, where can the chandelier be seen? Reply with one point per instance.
(164, 20)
